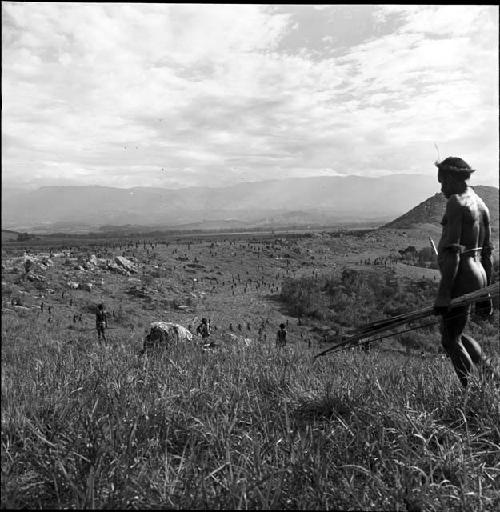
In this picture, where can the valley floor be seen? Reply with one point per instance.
(88, 424)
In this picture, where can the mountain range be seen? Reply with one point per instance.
(324, 200)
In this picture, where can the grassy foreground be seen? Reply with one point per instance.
(90, 426)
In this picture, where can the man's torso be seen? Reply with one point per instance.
(100, 317)
(472, 225)
(472, 229)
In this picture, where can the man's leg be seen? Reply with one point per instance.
(453, 324)
(477, 355)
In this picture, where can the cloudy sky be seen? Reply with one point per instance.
(168, 95)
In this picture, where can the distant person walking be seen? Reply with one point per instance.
(101, 322)
(281, 336)
(465, 263)
(204, 329)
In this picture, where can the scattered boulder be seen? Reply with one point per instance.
(163, 334)
(118, 269)
(85, 286)
(72, 285)
(235, 339)
(35, 277)
(126, 264)
(137, 292)
(102, 262)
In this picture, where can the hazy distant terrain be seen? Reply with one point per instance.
(300, 201)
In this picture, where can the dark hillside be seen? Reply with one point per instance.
(432, 209)
(8, 234)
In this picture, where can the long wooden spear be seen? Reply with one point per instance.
(386, 324)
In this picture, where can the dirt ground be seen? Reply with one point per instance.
(233, 281)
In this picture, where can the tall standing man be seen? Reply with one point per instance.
(101, 322)
(465, 263)
(281, 336)
(204, 329)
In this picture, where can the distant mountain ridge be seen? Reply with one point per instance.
(316, 200)
(431, 210)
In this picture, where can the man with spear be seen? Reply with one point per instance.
(465, 262)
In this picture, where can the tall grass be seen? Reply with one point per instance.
(94, 426)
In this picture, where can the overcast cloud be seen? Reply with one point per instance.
(180, 95)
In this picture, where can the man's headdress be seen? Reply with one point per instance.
(454, 164)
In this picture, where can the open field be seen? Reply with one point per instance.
(242, 425)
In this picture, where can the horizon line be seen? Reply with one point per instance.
(342, 176)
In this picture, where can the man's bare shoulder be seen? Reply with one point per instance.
(482, 205)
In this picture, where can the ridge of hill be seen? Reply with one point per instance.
(8, 234)
(431, 211)
(308, 200)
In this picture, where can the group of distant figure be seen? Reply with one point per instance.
(281, 336)
(203, 329)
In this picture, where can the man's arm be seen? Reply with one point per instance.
(450, 249)
(487, 249)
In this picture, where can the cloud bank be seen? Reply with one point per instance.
(180, 95)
